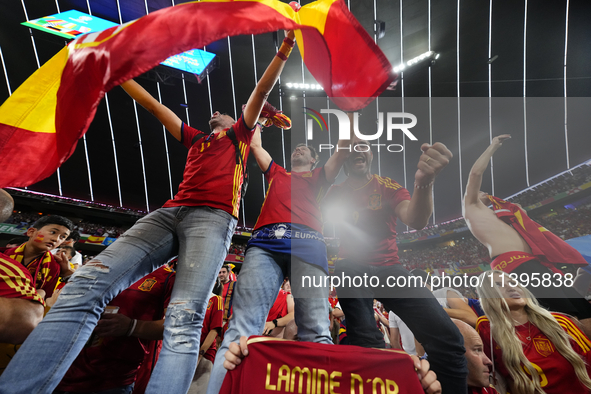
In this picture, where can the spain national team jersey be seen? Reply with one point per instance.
(556, 373)
(213, 321)
(212, 178)
(43, 268)
(112, 362)
(308, 188)
(279, 366)
(365, 219)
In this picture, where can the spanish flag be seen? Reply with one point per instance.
(44, 118)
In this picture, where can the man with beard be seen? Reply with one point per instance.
(365, 208)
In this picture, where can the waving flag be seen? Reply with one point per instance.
(44, 118)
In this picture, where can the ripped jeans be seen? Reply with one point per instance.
(200, 235)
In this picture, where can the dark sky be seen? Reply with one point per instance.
(538, 127)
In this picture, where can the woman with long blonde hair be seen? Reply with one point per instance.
(535, 351)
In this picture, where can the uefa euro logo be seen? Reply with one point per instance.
(345, 129)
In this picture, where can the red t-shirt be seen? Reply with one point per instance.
(369, 233)
(556, 373)
(280, 366)
(278, 207)
(212, 178)
(213, 320)
(279, 307)
(43, 268)
(115, 361)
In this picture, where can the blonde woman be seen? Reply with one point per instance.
(534, 350)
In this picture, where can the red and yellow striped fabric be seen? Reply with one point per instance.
(44, 118)
(16, 281)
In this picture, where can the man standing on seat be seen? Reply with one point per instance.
(364, 209)
(287, 241)
(197, 225)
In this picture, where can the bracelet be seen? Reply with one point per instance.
(289, 41)
(284, 51)
(423, 187)
(132, 325)
(281, 56)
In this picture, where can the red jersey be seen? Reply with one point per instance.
(16, 281)
(370, 233)
(278, 207)
(43, 268)
(279, 307)
(280, 366)
(556, 373)
(212, 178)
(212, 321)
(115, 361)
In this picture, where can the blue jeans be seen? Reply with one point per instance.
(200, 235)
(257, 287)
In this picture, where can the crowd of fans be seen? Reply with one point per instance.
(568, 223)
(462, 250)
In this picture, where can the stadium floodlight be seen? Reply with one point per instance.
(427, 58)
(303, 86)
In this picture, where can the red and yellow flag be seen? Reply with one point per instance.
(44, 118)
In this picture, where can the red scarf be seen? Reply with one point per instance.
(546, 246)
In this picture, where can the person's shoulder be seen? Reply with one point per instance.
(216, 300)
(387, 183)
(572, 330)
(482, 324)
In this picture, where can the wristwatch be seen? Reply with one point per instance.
(201, 352)
(275, 322)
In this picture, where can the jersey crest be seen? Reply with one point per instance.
(147, 284)
(375, 201)
(543, 346)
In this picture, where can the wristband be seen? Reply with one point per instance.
(284, 51)
(289, 41)
(275, 322)
(281, 56)
(132, 325)
(423, 187)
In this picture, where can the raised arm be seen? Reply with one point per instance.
(161, 112)
(475, 178)
(416, 212)
(335, 162)
(262, 157)
(265, 85)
